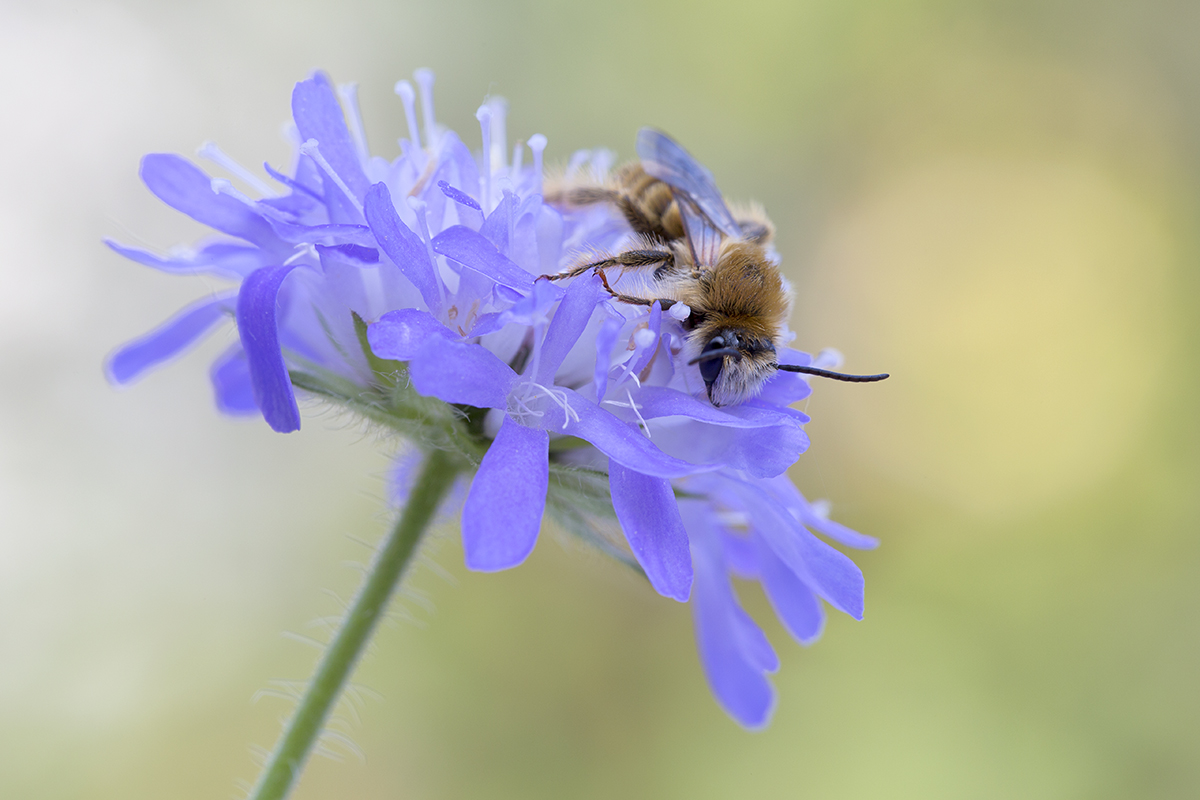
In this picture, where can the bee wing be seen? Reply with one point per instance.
(702, 237)
(663, 158)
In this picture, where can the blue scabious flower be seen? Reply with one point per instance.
(405, 291)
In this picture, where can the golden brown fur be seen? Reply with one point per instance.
(739, 303)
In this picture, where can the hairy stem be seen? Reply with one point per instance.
(339, 659)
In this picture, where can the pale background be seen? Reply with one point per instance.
(997, 202)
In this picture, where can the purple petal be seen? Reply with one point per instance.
(258, 328)
(654, 324)
(503, 512)
(533, 308)
(406, 250)
(789, 496)
(457, 372)
(354, 253)
(401, 334)
(132, 359)
(785, 388)
(794, 603)
(475, 252)
(659, 401)
(319, 116)
(650, 518)
(230, 377)
(741, 555)
(616, 439)
(839, 532)
(605, 340)
(828, 572)
(497, 226)
(549, 239)
(460, 197)
(294, 233)
(468, 211)
(733, 650)
(185, 187)
(295, 185)
(761, 451)
(570, 319)
(224, 259)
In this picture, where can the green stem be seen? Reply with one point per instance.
(339, 659)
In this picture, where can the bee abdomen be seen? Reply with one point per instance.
(648, 204)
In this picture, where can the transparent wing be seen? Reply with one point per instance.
(663, 158)
(702, 237)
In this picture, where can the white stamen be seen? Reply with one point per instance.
(525, 394)
(312, 149)
(210, 151)
(349, 94)
(419, 207)
(559, 397)
(602, 161)
(408, 98)
(484, 115)
(637, 410)
(222, 186)
(302, 249)
(518, 154)
(512, 220)
(424, 79)
(679, 311)
(499, 152)
(537, 144)
(578, 159)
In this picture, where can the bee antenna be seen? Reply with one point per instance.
(709, 355)
(825, 373)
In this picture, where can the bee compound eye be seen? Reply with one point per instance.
(709, 370)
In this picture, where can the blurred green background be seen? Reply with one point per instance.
(996, 202)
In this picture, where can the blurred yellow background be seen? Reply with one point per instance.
(996, 202)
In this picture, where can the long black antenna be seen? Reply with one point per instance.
(825, 373)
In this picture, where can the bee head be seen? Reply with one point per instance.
(735, 365)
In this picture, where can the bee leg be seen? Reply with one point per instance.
(624, 298)
(635, 259)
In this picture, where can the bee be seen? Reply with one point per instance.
(694, 251)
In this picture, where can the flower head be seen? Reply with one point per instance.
(406, 291)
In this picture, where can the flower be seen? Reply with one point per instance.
(405, 291)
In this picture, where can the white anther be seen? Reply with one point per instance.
(679, 311)
(644, 337)
(312, 149)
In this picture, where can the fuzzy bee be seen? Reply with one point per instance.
(694, 251)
